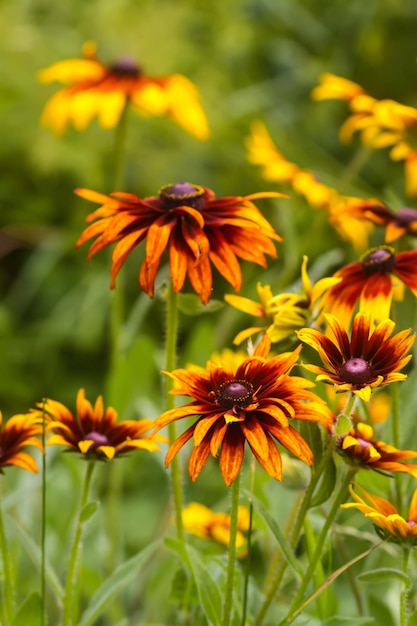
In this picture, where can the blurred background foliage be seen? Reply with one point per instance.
(251, 59)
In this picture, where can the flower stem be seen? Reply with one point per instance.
(43, 520)
(395, 424)
(228, 598)
(7, 587)
(404, 590)
(119, 149)
(249, 544)
(71, 600)
(170, 363)
(337, 501)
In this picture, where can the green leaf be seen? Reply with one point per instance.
(207, 588)
(118, 580)
(88, 511)
(341, 620)
(343, 425)
(412, 620)
(326, 484)
(383, 573)
(277, 532)
(190, 304)
(30, 612)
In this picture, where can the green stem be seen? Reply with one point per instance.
(71, 586)
(43, 520)
(395, 434)
(404, 590)
(170, 363)
(279, 566)
(249, 543)
(119, 150)
(354, 167)
(339, 498)
(228, 598)
(7, 587)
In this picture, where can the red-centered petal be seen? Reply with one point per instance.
(293, 442)
(203, 426)
(217, 437)
(157, 239)
(195, 238)
(178, 443)
(340, 300)
(178, 263)
(406, 269)
(360, 336)
(327, 350)
(273, 463)
(122, 251)
(231, 455)
(224, 260)
(340, 335)
(22, 460)
(92, 196)
(255, 436)
(175, 414)
(377, 341)
(201, 278)
(273, 413)
(198, 459)
(376, 296)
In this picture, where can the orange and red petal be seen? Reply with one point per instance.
(231, 455)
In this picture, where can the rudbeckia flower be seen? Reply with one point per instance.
(94, 89)
(398, 224)
(368, 360)
(371, 282)
(359, 448)
(389, 523)
(94, 432)
(16, 434)
(197, 228)
(257, 403)
(285, 312)
(201, 521)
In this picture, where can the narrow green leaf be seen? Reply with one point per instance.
(118, 580)
(88, 511)
(341, 620)
(343, 425)
(325, 485)
(412, 620)
(383, 573)
(30, 612)
(208, 591)
(277, 532)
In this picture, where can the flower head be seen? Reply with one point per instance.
(201, 521)
(285, 312)
(94, 89)
(195, 227)
(17, 433)
(397, 223)
(371, 281)
(370, 359)
(389, 523)
(257, 403)
(94, 431)
(359, 448)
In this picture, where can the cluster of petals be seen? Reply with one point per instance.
(347, 214)
(195, 227)
(94, 431)
(201, 521)
(257, 403)
(360, 448)
(381, 123)
(284, 312)
(385, 516)
(369, 359)
(96, 90)
(17, 433)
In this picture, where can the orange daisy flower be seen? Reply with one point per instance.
(94, 432)
(94, 89)
(369, 359)
(257, 403)
(201, 521)
(17, 433)
(388, 522)
(397, 224)
(197, 228)
(359, 448)
(370, 281)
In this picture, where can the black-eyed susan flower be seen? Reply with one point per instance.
(389, 523)
(17, 433)
(94, 431)
(94, 89)
(257, 403)
(369, 359)
(372, 281)
(201, 521)
(196, 228)
(360, 448)
(397, 223)
(285, 312)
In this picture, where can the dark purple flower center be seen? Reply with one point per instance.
(235, 393)
(356, 372)
(98, 438)
(125, 67)
(380, 259)
(405, 216)
(182, 194)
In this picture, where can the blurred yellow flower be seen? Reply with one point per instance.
(285, 312)
(201, 521)
(93, 89)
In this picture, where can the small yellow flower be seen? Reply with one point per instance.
(16, 434)
(201, 521)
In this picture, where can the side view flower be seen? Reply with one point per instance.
(256, 404)
(369, 359)
(385, 516)
(285, 312)
(196, 228)
(201, 521)
(94, 431)
(19, 432)
(94, 89)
